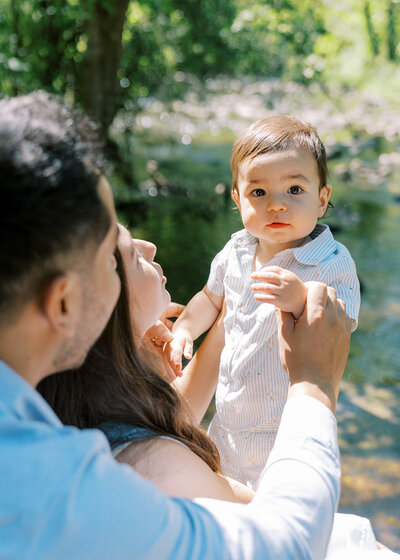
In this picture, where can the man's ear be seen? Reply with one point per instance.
(236, 198)
(61, 303)
(324, 196)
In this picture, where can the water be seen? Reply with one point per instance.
(187, 147)
(190, 230)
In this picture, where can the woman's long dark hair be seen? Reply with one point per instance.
(117, 384)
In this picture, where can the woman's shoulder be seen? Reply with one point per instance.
(178, 471)
(166, 462)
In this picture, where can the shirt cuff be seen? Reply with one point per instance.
(307, 417)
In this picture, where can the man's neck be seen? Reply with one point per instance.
(21, 348)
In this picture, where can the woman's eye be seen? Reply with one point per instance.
(295, 190)
(259, 192)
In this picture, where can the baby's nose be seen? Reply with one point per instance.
(276, 204)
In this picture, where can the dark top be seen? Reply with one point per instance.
(118, 433)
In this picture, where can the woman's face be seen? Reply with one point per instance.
(146, 283)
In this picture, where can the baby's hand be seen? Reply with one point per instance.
(280, 287)
(181, 344)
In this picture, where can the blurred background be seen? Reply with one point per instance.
(172, 82)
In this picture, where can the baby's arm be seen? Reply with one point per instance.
(198, 316)
(282, 288)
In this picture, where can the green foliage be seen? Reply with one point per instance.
(166, 42)
(274, 38)
(41, 43)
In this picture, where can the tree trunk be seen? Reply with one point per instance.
(15, 26)
(392, 38)
(97, 80)
(373, 37)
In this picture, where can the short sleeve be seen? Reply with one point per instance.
(219, 265)
(342, 276)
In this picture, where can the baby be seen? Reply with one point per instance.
(280, 188)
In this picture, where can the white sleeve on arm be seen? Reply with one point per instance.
(219, 265)
(342, 276)
(92, 508)
(292, 514)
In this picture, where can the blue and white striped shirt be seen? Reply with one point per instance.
(252, 386)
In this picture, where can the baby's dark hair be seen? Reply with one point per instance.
(276, 134)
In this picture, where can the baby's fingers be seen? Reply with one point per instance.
(188, 351)
(177, 347)
(269, 277)
(265, 287)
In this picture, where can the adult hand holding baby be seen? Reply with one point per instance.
(314, 349)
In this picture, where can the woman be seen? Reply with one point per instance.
(147, 423)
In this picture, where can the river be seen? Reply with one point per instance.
(181, 156)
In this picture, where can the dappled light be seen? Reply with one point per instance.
(170, 85)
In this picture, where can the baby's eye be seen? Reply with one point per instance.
(258, 192)
(295, 190)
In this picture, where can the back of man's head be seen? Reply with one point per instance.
(52, 218)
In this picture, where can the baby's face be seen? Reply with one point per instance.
(279, 197)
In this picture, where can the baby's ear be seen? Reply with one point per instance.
(324, 196)
(235, 198)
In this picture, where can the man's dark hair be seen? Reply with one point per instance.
(50, 208)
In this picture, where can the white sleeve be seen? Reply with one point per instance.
(342, 276)
(215, 282)
(292, 514)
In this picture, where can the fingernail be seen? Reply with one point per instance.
(167, 337)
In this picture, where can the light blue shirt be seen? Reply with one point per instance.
(63, 497)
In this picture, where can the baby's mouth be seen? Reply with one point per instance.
(277, 225)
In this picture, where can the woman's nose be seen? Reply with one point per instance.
(149, 251)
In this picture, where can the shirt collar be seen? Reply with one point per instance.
(314, 251)
(321, 245)
(24, 400)
(243, 237)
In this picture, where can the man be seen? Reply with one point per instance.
(62, 494)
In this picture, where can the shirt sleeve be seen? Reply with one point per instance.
(219, 265)
(89, 506)
(342, 276)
